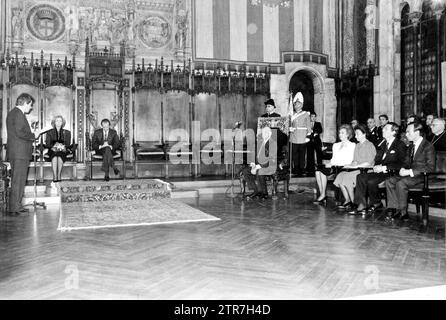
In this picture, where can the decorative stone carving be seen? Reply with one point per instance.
(46, 22)
(17, 24)
(155, 32)
(17, 30)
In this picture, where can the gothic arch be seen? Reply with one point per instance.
(318, 86)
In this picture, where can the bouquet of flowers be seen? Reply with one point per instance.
(59, 147)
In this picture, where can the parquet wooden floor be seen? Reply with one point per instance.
(269, 250)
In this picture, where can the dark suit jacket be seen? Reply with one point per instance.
(373, 136)
(424, 159)
(317, 131)
(51, 138)
(395, 155)
(20, 137)
(380, 133)
(98, 139)
(439, 142)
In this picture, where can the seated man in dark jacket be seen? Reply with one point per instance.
(419, 158)
(269, 159)
(105, 142)
(390, 157)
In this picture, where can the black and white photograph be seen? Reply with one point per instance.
(231, 153)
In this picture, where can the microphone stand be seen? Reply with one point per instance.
(233, 195)
(36, 204)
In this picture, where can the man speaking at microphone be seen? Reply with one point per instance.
(19, 149)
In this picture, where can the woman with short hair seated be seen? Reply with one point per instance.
(58, 142)
(364, 156)
(343, 153)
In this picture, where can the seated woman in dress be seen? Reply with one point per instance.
(364, 157)
(342, 155)
(58, 141)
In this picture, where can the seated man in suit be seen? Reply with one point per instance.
(266, 163)
(390, 157)
(419, 158)
(105, 142)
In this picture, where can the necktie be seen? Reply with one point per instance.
(386, 150)
(412, 153)
(105, 135)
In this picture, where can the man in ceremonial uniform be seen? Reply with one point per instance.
(300, 127)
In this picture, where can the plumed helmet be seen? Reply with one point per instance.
(299, 97)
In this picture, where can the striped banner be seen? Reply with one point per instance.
(237, 30)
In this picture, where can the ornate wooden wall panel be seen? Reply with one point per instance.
(232, 110)
(206, 111)
(176, 112)
(148, 115)
(59, 101)
(255, 107)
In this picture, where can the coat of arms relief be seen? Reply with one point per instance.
(140, 26)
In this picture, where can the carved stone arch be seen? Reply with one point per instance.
(324, 98)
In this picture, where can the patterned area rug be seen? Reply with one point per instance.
(95, 205)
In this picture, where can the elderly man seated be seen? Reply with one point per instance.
(269, 159)
(438, 137)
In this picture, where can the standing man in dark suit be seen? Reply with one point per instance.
(105, 142)
(383, 120)
(270, 107)
(314, 145)
(419, 158)
(390, 157)
(372, 134)
(19, 149)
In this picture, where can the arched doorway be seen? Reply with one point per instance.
(302, 81)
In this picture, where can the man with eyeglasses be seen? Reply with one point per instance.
(438, 138)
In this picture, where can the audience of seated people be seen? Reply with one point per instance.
(389, 158)
(343, 153)
(420, 157)
(364, 156)
(394, 162)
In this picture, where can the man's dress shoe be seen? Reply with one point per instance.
(107, 178)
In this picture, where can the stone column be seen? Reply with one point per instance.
(415, 18)
(279, 92)
(385, 81)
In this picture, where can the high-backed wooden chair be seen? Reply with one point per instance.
(93, 157)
